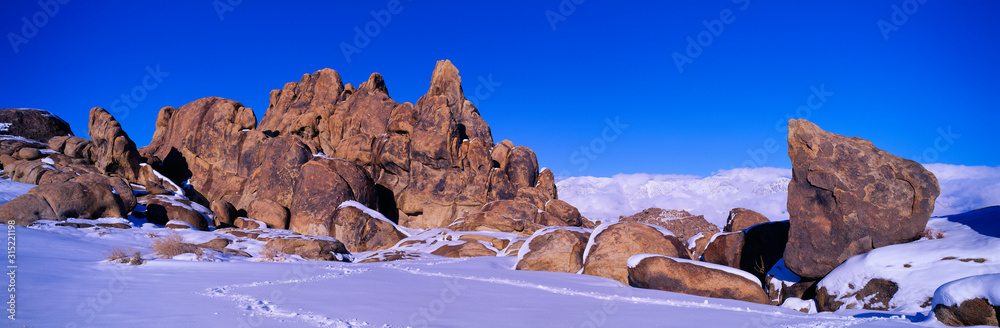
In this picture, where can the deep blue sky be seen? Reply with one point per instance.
(606, 59)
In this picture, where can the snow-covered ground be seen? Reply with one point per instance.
(963, 188)
(63, 280)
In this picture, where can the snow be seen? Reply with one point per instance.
(34, 143)
(11, 189)
(920, 267)
(693, 241)
(63, 279)
(985, 286)
(963, 188)
(48, 161)
(799, 304)
(58, 288)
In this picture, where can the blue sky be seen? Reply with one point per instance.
(551, 75)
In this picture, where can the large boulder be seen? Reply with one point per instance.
(684, 225)
(741, 218)
(60, 201)
(122, 188)
(362, 229)
(611, 245)
(161, 209)
(114, 152)
(34, 124)
(694, 278)
(324, 185)
(555, 249)
(847, 197)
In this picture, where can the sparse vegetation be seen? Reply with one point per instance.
(172, 245)
(124, 255)
(932, 234)
(272, 254)
(759, 266)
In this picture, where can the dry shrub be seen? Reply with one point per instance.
(932, 234)
(117, 254)
(172, 245)
(124, 255)
(272, 254)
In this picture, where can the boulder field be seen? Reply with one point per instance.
(345, 173)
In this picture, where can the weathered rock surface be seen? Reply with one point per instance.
(684, 225)
(34, 124)
(554, 249)
(361, 232)
(209, 141)
(114, 153)
(741, 218)
(611, 247)
(311, 248)
(693, 278)
(974, 312)
(847, 197)
(324, 185)
(726, 249)
(875, 295)
(59, 201)
(161, 209)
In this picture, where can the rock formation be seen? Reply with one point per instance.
(693, 278)
(610, 247)
(684, 225)
(741, 218)
(555, 249)
(114, 154)
(34, 124)
(847, 197)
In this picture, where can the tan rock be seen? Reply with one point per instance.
(741, 218)
(612, 246)
(847, 197)
(693, 278)
(554, 249)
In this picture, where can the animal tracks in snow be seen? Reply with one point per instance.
(258, 309)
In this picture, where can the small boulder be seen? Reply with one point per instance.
(269, 212)
(223, 213)
(29, 153)
(555, 249)
(362, 229)
(162, 209)
(314, 248)
(741, 218)
(974, 312)
(468, 248)
(725, 249)
(567, 213)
